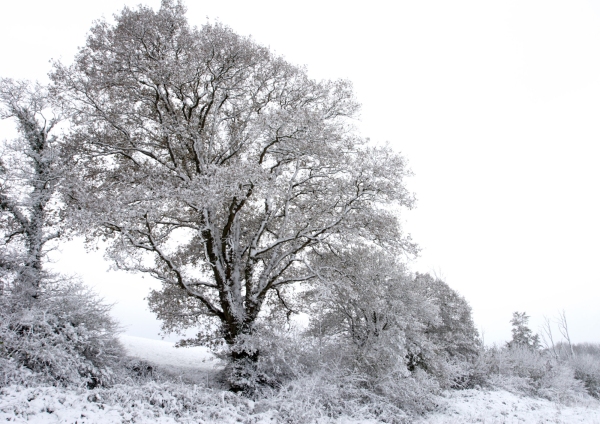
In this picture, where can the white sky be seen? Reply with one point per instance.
(496, 105)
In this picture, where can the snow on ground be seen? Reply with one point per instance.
(164, 353)
(499, 406)
(149, 403)
(57, 405)
(162, 403)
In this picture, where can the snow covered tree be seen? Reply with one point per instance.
(217, 167)
(28, 179)
(51, 328)
(392, 318)
(367, 298)
(522, 335)
(454, 333)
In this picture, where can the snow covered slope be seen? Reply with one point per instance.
(196, 365)
(164, 353)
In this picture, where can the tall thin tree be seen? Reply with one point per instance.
(29, 175)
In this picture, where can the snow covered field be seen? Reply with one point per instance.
(193, 365)
(166, 354)
(181, 402)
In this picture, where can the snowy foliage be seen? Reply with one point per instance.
(323, 398)
(454, 333)
(522, 370)
(51, 329)
(584, 358)
(389, 321)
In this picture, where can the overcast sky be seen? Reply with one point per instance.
(496, 106)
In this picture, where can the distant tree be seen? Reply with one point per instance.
(217, 167)
(454, 333)
(522, 335)
(548, 337)
(29, 175)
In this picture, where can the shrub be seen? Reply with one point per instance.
(520, 369)
(587, 369)
(65, 336)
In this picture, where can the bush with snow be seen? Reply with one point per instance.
(64, 336)
(520, 369)
(584, 359)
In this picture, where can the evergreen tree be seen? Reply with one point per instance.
(521, 334)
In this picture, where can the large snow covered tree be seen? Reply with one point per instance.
(217, 167)
(29, 175)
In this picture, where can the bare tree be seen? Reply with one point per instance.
(28, 179)
(564, 330)
(217, 167)
(548, 337)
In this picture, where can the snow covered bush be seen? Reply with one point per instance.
(586, 364)
(520, 369)
(64, 336)
(284, 356)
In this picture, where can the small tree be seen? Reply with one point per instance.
(522, 335)
(563, 327)
(454, 334)
(548, 337)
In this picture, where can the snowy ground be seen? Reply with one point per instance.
(499, 406)
(153, 403)
(165, 353)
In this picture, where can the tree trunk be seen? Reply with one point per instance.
(242, 373)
